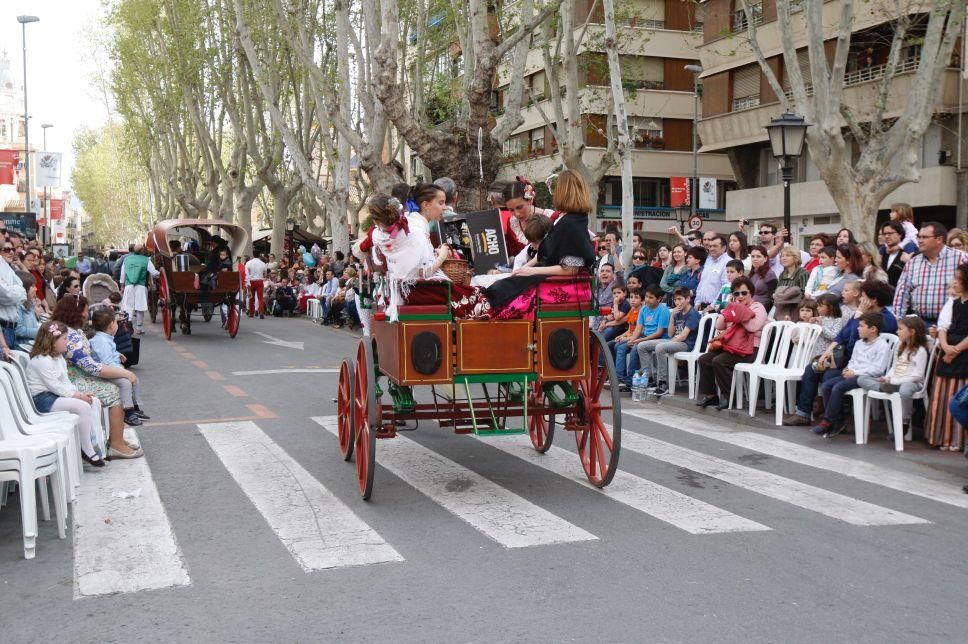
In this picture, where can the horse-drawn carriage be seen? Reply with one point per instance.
(545, 371)
(182, 285)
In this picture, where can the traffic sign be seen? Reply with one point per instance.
(695, 222)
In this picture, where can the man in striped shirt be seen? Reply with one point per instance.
(923, 285)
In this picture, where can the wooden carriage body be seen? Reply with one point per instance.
(487, 377)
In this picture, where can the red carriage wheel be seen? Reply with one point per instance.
(234, 317)
(541, 426)
(366, 416)
(344, 408)
(598, 445)
(164, 303)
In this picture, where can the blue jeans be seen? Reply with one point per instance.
(959, 408)
(834, 390)
(623, 351)
(810, 385)
(613, 332)
(10, 338)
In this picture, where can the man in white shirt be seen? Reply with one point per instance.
(713, 276)
(255, 274)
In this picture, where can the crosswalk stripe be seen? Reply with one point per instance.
(831, 504)
(680, 510)
(318, 529)
(886, 477)
(123, 541)
(495, 511)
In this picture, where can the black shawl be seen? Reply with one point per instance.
(568, 238)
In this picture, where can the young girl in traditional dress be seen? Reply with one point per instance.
(52, 390)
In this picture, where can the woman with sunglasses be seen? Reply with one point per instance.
(70, 286)
(642, 270)
(741, 324)
(12, 295)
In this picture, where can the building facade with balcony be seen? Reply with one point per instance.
(657, 38)
(12, 174)
(738, 102)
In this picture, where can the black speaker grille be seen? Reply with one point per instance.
(562, 349)
(425, 353)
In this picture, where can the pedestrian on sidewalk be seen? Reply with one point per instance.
(255, 272)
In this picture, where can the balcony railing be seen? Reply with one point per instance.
(877, 72)
(745, 102)
(741, 18)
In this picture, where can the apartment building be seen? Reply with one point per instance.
(657, 39)
(738, 102)
(12, 174)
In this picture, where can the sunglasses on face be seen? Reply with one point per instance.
(741, 293)
(642, 257)
(603, 248)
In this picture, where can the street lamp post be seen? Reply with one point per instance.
(290, 229)
(28, 198)
(47, 225)
(694, 181)
(787, 134)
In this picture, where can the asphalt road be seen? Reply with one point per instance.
(243, 524)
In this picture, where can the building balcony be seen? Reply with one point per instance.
(645, 163)
(645, 101)
(745, 125)
(938, 187)
(662, 43)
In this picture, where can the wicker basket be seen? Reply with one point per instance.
(458, 271)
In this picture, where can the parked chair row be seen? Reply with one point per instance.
(36, 450)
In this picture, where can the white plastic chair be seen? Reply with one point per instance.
(28, 461)
(314, 309)
(773, 351)
(857, 395)
(785, 374)
(59, 432)
(36, 422)
(705, 333)
(892, 407)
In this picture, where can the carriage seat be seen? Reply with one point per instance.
(424, 309)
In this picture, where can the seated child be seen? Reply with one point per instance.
(102, 345)
(652, 322)
(907, 375)
(616, 322)
(682, 334)
(734, 269)
(822, 277)
(870, 357)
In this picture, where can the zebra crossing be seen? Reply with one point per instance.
(322, 530)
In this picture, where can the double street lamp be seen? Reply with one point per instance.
(787, 134)
(694, 181)
(28, 197)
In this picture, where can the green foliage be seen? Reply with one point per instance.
(109, 182)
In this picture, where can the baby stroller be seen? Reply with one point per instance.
(98, 287)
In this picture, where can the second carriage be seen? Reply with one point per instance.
(489, 378)
(179, 289)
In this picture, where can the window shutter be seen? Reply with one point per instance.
(746, 81)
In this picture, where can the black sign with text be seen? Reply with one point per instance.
(488, 247)
(25, 223)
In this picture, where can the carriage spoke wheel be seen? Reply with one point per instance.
(541, 426)
(366, 417)
(598, 445)
(344, 408)
(164, 303)
(234, 317)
